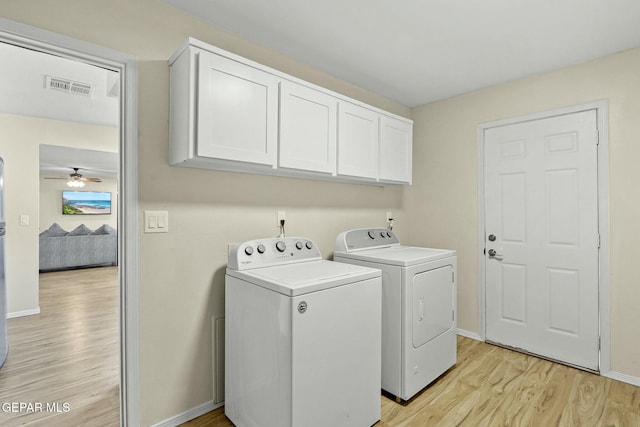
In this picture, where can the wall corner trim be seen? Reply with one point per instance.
(467, 334)
(23, 313)
(192, 413)
(622, 377)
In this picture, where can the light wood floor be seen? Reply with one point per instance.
(491, 386)
(66, 356)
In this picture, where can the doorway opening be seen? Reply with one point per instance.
(49, 43)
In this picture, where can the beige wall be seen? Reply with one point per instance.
(182, 272)
(442, 204)
(51, 204)
(20, 139)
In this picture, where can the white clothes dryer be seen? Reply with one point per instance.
(302, 337)
(418, 306)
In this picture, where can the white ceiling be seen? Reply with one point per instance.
(23, 92)
(23, 89)
(58, 162)
(419, 51)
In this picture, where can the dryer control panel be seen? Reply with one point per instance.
(365, 238)
(272, 251)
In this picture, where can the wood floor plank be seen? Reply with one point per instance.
(494, 387)
(66, 357)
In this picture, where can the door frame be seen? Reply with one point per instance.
(52, 43)
(602, 113)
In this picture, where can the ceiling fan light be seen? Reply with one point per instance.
(75, 183)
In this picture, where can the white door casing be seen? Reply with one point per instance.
(541, 204)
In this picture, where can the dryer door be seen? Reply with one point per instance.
(433, 304)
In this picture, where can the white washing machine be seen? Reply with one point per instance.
(418, 306)
(302, 337)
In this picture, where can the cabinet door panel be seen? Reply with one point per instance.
(357, 141)
(237, 111)
(396, 141)
(307, 129)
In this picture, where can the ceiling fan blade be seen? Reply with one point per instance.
(92, 179)
(56, 177)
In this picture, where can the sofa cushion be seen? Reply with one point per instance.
(104, 229)
(54, 231)
(81, 230)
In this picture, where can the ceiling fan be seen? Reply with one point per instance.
(76, 179)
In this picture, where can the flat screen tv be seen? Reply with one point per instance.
(86, 203)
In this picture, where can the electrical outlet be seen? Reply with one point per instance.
(389, 216)
(282, 216)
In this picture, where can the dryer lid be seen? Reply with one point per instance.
(305, 277)
(403, 256)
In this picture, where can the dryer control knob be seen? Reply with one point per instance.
(248, 250)
(372, 235)
(309, 245)
(281, 246)
(383, 234)
(261, 249)
(299, 245)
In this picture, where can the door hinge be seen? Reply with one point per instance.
(598, 240)
(453, 277)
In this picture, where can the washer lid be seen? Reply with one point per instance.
(305, 277)
(403, 256)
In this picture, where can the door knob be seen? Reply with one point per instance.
(494, 254)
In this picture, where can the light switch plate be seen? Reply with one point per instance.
(156, 221)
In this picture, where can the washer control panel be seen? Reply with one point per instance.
(272, 251)
(365, 238)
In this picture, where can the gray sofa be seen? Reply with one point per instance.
(78, 248)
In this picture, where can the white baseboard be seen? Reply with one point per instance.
(472, 335)
(23, 313)
(192, 413)
(622, 377)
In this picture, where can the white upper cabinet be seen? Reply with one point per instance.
(396, 142)
(307, 129)
(230, 113)
(357, 141)
(237, 111)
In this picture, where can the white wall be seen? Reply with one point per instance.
(20, 139)
(442, 205)
(51, 205)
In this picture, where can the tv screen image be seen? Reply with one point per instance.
(86, 203)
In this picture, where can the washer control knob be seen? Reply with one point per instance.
(248, 250)
(383, 234)
(309, 245)
(299, 245)
(372, 235)
(281, 246)
(388, 234)
(261, 249)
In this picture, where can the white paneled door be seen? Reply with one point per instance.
(542, 240)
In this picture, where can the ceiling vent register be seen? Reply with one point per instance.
(68, 86)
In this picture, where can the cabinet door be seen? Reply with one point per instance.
(237, 117)
(357, 141)
(307, 129)
(396, 142)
